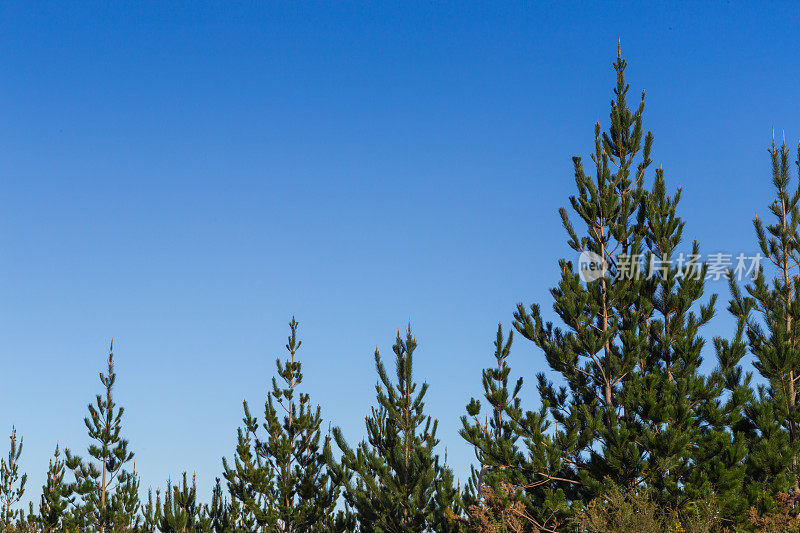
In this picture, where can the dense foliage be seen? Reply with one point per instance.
(628, 433)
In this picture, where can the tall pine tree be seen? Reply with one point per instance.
(603, 340)
(634, 410)
(108, 492)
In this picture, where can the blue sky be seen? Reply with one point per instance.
(185, 177)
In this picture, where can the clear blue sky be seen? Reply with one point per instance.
(184, 177)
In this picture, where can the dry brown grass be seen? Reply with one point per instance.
(785, 518)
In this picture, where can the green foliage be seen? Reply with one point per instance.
(604, 338)
(399, 484)
(151, 512)
(12, 485)
(770, 315)
(634, 409)
(180, 512)
(218, 512)
(529, 478)
(55, 500)
(687, 439)
(493, 438)
(248, 478)
(108, 493)
(282, 480)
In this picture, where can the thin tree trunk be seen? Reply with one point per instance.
(791, 400)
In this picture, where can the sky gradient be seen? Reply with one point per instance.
(185, 177)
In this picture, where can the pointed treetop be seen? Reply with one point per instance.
(619, 48)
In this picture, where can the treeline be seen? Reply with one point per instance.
(630, 434)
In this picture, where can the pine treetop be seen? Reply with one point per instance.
(399, 481)
(108, 492)
(12, 485)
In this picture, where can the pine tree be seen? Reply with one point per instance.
(12, 485)
(282, 480)
(55, 500)
(248, 478)
(604, 335)
(127, 503)
(770, 313)
(492, 438)
(511, 487)
(29, 522)
(342, 519)
(218, 511)
(448, 503)
(151, 512)
(635, 411)
(292, 448)
(108, 492)
(180, 512)
(396, 470)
